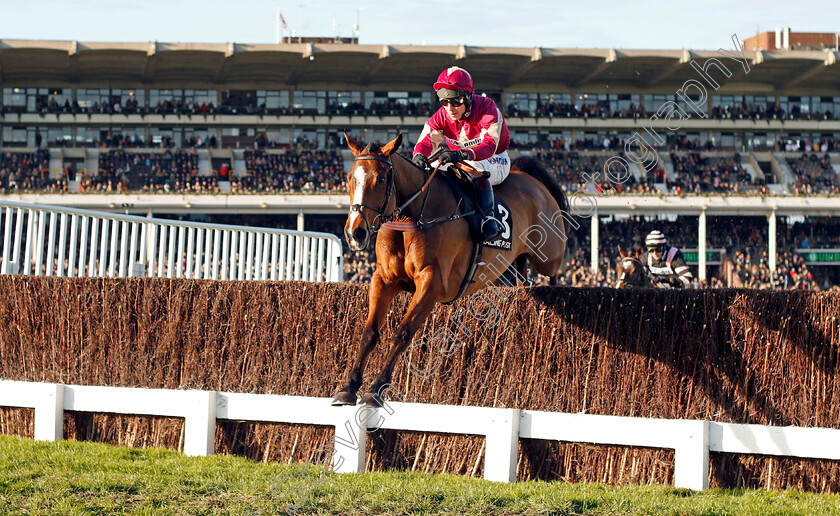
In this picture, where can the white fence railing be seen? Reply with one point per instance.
(692, 440)
(44, 240)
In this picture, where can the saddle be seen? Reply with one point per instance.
(464, 190)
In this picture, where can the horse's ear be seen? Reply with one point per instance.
(391, 146)
(640, 251)
(354, 147)
(621, 252)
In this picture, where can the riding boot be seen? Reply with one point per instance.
(491, 228)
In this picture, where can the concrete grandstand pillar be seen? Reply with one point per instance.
(771, 242)
(594, 243)
(301, 221)
(701, 247)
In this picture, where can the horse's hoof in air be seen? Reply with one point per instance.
(344, 398)
(370, 399)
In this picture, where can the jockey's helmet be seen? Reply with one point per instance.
(656, 240)
(455, 78)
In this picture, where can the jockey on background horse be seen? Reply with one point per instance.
(475, 132)
(665, 263)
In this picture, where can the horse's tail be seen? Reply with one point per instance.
(534, 168)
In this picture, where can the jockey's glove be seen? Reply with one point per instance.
(453, 156)
(676, 281)
(421, 161)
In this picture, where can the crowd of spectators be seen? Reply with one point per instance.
(306, 171)
(694, 173)
(813, 174)
(168, 171)
(28, 171)
(110, 140)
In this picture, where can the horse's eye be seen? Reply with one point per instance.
(380, 180)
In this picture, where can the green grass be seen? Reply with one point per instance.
(89, 478)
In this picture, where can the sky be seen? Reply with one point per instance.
(640, 24)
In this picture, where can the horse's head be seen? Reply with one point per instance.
(371, 185)
(631, 272)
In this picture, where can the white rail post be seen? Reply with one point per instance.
(501, 451)
(49, 412)
(200, 424)
(691, 456)
(350, 441)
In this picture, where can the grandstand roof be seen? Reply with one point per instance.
(54, 63)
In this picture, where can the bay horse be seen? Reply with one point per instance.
(630, 270)
(432, 262)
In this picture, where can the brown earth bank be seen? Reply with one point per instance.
(745, 356)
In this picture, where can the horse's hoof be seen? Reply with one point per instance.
(344, 398)
(371, 400)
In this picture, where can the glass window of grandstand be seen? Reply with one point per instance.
(14, 99)
(52, 100)
(93, 100)
(238, 137)
(200, 137)
(723, 141)
(115, 137)
(59, 136)
(654, 102)
(19, 136)
(606, 105)
(305, 139)
(278, 137)
(555, 104)
(727, 106)
(696, 106)
(592, 104)
(399, 103)
(759, 141)
(345, 103)
(310, 102)
(522, 104)
(200, 101)
(239, 101)
(165, 137)
(273, 101)
(128, 101)
(815, 108)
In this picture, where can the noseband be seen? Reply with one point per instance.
(389, 188)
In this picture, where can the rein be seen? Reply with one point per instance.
(389, 189)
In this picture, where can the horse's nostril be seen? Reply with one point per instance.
(359, 234)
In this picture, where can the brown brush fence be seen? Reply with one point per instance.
(745, 356)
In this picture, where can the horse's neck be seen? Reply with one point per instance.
(409, 180)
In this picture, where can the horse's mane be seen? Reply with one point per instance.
(534, 168)
(371, 148)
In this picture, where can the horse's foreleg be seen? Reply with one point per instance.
(421, 306)
(380, 298)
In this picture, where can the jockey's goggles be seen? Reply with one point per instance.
(455, 101)
(657, 248)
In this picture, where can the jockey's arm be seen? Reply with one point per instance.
(425, 145)
(491, 128)
(682, 273)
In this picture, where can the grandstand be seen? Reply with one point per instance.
(212, 130)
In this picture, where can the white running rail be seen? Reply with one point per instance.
(691, 440)
(45, 240)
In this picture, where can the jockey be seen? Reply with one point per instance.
(475, 133)
(665, 263)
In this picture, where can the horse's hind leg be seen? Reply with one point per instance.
(380, 297)
(522, 269)
(418, 311)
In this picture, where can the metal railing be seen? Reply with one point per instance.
(44, 240)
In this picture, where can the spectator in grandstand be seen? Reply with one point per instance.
(475, 132)
(665, 263)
